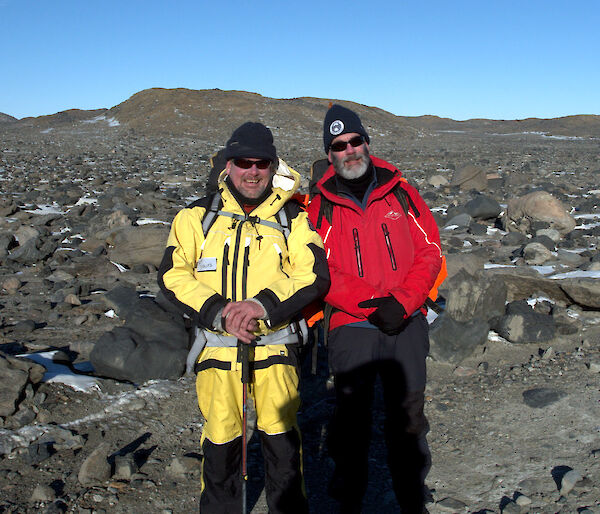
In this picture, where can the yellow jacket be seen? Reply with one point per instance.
(242, 259)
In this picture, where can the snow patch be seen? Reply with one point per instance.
(59, 373)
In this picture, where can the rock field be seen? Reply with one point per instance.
(513, 396)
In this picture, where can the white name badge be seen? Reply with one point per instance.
(207, 264)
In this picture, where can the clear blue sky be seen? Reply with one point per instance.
(458, 59)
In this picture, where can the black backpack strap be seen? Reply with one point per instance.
(405, 200)
(325, 211)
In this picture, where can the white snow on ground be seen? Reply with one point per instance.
(112, 122)
(86, 200)
(121, 268)
(46, 209)
(594, 192)
(538, 299)
(548, 270)
(46, 131)
(587, 226)
(148, 221)
(577, 274)
(60, 373)
(587, 216)
(115, 406)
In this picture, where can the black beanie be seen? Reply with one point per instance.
(340, 120)
(251, 140)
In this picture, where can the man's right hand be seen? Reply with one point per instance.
(240, 319)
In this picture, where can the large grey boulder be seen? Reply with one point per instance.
(152, 344)
(452, 341)
(474, 297)
(138, 245)
(523, 213)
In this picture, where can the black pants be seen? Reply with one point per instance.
(357, 356)
(283, 476)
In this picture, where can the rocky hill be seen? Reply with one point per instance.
(212, 114)
(5, 118)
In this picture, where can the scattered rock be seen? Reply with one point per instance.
(95, 468)
(542, 397)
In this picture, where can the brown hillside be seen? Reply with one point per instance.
(214, 112)
(5, 118)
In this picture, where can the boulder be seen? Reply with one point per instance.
(483, 207)
(470, 177)
(474, 297)
(453, 341)
(153, 344)
(95, 468)
(524, 328)
(523, 212)
(536, 254)
(138, 245)
(15, 374)
(583, 291)
(523, 282)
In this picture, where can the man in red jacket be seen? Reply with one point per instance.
(384, 254)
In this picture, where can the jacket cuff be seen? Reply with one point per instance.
(269, 301)
(209, 310)
(264, 315)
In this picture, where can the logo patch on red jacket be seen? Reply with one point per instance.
(393, 215)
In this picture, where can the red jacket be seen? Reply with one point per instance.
(379, 251)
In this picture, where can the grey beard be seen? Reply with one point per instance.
(355, 171)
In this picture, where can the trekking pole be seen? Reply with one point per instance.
(244, 357)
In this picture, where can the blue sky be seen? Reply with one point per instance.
(458, 59)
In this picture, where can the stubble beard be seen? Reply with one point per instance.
(351, 172)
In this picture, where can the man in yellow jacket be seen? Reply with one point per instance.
(242, 264)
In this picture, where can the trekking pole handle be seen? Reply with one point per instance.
(244, 358)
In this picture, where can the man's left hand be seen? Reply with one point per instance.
(389, 315)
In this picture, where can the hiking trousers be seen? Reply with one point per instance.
(274, 390)
(357, 357)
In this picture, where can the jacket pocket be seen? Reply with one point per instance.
(388, 244)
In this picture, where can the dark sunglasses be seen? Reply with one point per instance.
(340, 146)
(245, 164)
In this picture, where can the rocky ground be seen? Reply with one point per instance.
(514, 373)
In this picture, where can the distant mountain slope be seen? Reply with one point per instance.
(579, 125)
(212, 114)
(70, 117)
(5, 118)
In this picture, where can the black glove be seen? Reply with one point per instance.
(389, 316)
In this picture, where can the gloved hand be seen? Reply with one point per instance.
(389, 316)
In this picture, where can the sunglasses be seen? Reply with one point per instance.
(245, 164)
(340, 146)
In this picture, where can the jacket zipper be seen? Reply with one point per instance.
(357, 252)
(245, 269)
(388, 243)
(224, 269)
(236, 255)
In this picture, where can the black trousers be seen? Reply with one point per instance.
(357, 357)
(283, 475)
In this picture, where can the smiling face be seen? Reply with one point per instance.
(353, 161)
(250, 182)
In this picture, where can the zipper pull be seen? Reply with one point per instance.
(259, 239)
